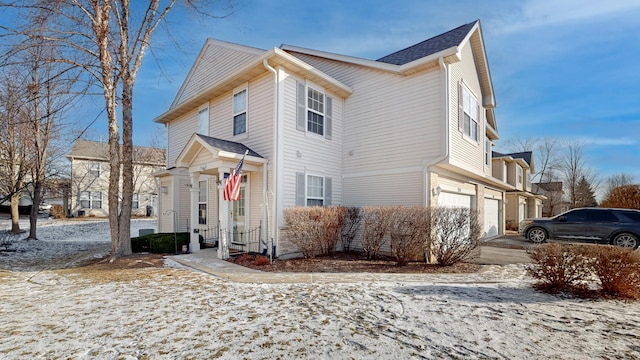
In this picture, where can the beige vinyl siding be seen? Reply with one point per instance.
(214, 64)
(178, 133)
(165, 202)
(318, 156)
(466, 153)
(390, 122)
(389, 189)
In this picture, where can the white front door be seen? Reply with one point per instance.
(238, 214)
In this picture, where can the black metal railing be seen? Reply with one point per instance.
(210, 237)
(248, 241)
(240, 242)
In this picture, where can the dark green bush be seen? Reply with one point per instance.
(162, 243)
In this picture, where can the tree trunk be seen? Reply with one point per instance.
(35, 207)
(15, 213)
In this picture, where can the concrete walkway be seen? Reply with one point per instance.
(207, 261)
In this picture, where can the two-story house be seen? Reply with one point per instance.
(415, 127)
(90, 179)
(520, 202)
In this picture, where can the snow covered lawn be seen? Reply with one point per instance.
(175, 313)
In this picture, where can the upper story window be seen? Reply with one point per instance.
(240, 112)
(314, 111)
(135, 202)
(94, 169)
(469, 114)
(203, 121)
(487, 152)
(519, 173)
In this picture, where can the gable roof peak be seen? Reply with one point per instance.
(430, 46)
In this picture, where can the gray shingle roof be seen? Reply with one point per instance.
(524, 155)
(430, 46)
(97, 150)
(230, 146)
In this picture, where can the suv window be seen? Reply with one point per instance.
(633, 215)
(601, 216)
(576, 216)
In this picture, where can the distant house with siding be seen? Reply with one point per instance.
(415, 127)
(89, 185)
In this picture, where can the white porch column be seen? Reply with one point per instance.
(194, 238)
(223, 217)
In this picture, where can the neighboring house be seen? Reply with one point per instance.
(90, 179)
(412, 128)
(515, 169)
(553, 203)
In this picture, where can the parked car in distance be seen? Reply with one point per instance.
(620, 227)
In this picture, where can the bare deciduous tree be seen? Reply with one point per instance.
(573, 166)
(108, 39)
(616, 181)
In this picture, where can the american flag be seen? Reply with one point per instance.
(232, 182)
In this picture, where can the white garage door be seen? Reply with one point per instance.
(457, 200)
(491, 217)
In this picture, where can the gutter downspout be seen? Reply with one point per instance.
(275, 162)
(445, 129)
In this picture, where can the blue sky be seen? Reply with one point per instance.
(563, 68)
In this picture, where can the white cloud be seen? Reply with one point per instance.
(603, 141)
(536, 13)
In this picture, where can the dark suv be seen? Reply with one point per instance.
(620, 227)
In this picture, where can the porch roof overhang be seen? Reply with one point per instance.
(275, 57)
(219, 153)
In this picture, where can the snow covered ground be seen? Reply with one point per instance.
(176, 313)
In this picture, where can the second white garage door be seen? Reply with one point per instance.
(491, 217)
(457, 200)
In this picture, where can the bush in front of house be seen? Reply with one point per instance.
(352, 220)
(455, 235)
(160, 243)
(618, 270)
(581, 269)
(57, 211)
(560, 268)
(409, 229)
(315, 229)
(376, 221)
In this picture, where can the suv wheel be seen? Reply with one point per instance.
(625, 240)
(537, 235)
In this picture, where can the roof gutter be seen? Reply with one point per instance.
(445, 131)
(276, 153)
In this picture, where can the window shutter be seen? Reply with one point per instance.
(328, 118)
(327, 191)
(300, 189)
(460, 108)
(480, 122)
(301, 115)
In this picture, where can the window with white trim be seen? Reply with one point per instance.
(315, 190)
(202, 202)
(90, 200)
(203, 121)
(519, 172)
(240, 112)
(315, 111)
(94, 169)
(135, 203)
(487, 152)
(470, 113)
